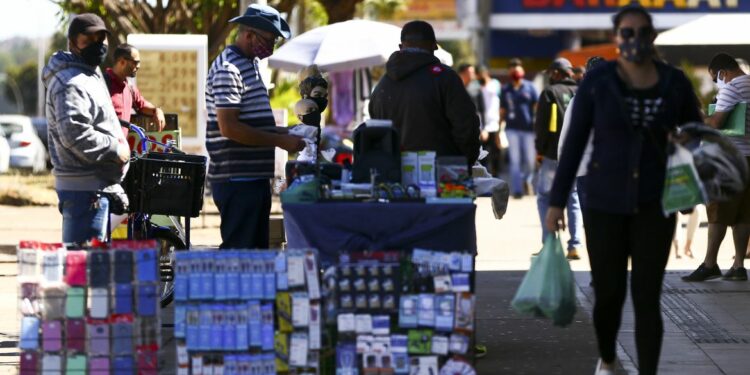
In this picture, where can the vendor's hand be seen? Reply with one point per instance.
(123, 152)
(484, 136)
(292, 143)
(159, 119)
(555, 219)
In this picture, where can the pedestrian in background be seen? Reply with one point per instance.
(426, 100)
(88, 150)
(734, 88)
(241, 132)
(490, 134)
(631, 105)
(125, 96)
(550, 113)
(517, 107)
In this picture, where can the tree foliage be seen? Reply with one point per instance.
(25, 77)
(125, 17)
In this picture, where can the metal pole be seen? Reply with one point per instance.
(40, 97)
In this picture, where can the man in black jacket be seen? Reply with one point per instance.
(549, 119)
(425, 99)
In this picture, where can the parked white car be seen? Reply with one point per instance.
(4, 153)
(26, 149)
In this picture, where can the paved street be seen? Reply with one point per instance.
(707, 324)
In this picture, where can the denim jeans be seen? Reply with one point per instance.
(85, 215)
(522, 154)
(245, 209)
(574, 218)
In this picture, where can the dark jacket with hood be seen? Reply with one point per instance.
(628, 163)
(547, 134)
(83, 128)
(428, 105)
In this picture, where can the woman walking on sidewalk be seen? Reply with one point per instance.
(631, 105)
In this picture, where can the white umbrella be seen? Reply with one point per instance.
(344, 45)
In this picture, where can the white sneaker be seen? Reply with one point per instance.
(603, 371)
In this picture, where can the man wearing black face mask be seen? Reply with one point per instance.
(241, 132)
(87, 148)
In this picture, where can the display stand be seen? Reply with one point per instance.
(89, 310)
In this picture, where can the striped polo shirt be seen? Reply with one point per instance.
(234, 82)
(736, 91)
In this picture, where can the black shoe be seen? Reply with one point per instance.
(736, 274)
(703, 273)
(517, 196)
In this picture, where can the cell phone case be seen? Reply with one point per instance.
(98, 303)
(52, 336)
(29, 333)
(75, 268)
(99, 267)
(123, 299)
(147, 361)
(123, 272)
(123, 366)
(122, 338)
(146, 265)
(98, 339)
(146, 304)
(53, 302)
(75, 330)
(51, 364)
(99, 366)
(75, 364)
(75, 303)
(29, 363)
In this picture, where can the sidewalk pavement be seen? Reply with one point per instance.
(707, 325)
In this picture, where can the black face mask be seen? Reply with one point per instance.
(94, 54)
(312, 119)
(321, 102)
(637, 50)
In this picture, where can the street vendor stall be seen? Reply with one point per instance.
(335, 227)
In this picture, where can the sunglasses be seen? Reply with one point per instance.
(270, 40)
(629, 32)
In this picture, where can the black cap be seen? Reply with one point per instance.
(562, 64)
(86, 23)
(417, 31)
(514, 62)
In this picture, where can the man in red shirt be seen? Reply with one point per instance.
(126, 97)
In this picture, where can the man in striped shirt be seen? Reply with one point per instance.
(241, 133)
(734, 88)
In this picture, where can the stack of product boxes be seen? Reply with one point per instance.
(418, 168)
(225, 320)
(402, 314)
(89, 311)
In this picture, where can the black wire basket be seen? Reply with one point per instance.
(166, 184)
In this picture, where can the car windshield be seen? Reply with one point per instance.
(10, 128)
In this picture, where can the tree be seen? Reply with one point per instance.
(383, 9)
(124, 17)
(340, 10)
(22, 78)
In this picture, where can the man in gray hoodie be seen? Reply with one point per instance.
(88, 150)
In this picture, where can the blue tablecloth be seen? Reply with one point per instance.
(335, 227)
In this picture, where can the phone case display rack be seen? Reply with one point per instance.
(394, 312)
(248, 312)
(89, 310)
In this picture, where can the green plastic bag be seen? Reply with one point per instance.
(737, 122)
(683, 188)
(548, 289)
